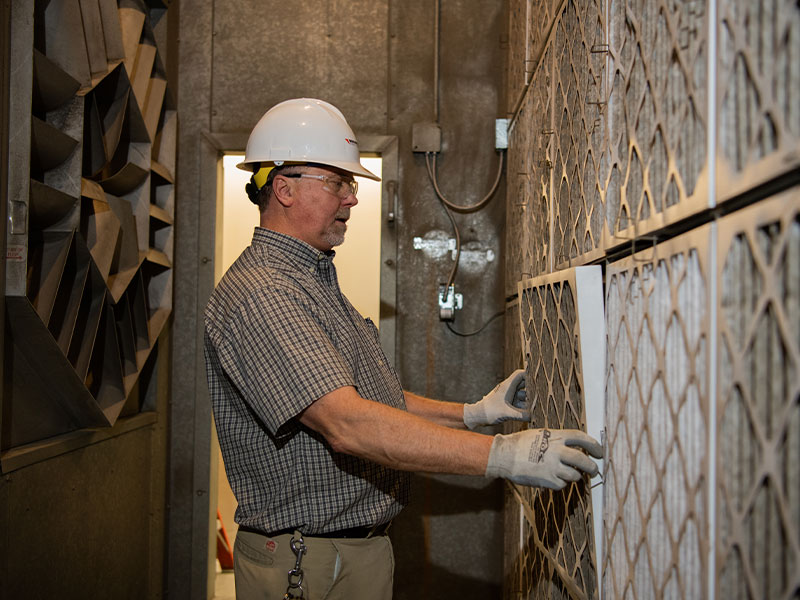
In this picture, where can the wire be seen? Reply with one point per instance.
(453, 271)
(456, 207)
(448, 206)
(477, 331)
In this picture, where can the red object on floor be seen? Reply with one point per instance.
(224, 550)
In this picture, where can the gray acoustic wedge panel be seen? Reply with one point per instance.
(89, 245)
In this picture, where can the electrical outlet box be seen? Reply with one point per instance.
(500, 134)
(426, 137)
(449, 302)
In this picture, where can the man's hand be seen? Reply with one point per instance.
(543, 457)
(507, 401)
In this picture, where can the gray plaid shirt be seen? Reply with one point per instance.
(279, 334)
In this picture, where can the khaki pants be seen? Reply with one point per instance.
(333, 568)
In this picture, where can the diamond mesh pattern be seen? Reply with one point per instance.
(512, 521)
(759, 76)
(758, 464)
(517, 50)
(656, 421)
(579, 105)
(512, 353)
(656, 113)
(527, 214)
(610, 148)
(518, 246)
(539, 168)
(541, 13)
(557, 558)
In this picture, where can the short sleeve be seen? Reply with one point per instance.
(278, 351)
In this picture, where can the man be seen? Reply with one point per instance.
(316, 431)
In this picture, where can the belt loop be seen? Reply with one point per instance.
(384, 529)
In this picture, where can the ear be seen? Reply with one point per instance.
(282, 189)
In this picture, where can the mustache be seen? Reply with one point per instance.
(343, 213)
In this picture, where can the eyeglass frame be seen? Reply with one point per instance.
(352, 184)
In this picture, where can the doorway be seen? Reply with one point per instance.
(359, 261)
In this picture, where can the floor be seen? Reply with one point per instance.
(224, 588)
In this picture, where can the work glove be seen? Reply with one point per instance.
(543, 457)
(507, 401)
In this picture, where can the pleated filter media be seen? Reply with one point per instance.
(701, 399)
(529, 194)
(560, 322)
(758, 79)
(758, 401)
(660, 141)
(656, 482)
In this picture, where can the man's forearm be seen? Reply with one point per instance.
(395, 438)
(448, 414)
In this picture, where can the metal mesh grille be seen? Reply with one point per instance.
(656, 422)
(759, 76)
(557, 558)
(611, 146)
(528, 213)
(512, 512)
(538, 168)
(555, 563)
(656, 113)
(517, 50)
(579, 45)
(758, 464)
(542, 13)
(628, 128)
(518, 246)
(512, 352)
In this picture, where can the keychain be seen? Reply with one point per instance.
(296, 575)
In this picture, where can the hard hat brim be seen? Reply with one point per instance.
(355, 169)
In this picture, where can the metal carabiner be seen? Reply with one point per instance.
(295, 575)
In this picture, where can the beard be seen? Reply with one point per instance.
(335, 233)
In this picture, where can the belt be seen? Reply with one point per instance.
(352, 532)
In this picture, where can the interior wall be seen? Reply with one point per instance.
(375, 61)
(91, 522)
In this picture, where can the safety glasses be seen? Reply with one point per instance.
(335, 185)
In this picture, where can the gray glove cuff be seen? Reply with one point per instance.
(474, 415)
(501, 457)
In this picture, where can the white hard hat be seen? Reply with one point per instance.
(303, 130)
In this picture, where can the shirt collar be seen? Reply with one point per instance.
(298, 251)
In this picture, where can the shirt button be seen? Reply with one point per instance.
(311, 269)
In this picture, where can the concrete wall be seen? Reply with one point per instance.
(375, 61)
